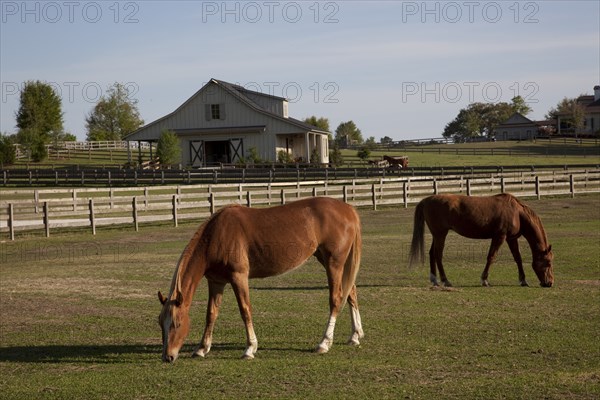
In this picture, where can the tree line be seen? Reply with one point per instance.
(39, 120)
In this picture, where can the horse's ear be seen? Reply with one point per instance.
(162, 298)
(178, 299)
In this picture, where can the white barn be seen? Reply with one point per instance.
(222, 121)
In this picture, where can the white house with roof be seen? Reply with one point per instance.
(222, 121)
(516, 127)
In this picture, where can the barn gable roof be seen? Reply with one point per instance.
(241, 94)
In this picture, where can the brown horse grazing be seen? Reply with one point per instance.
(239, 243)
(500, 218)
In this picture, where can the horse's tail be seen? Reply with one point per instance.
(352, 264)
(417, 246)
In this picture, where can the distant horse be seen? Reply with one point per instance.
(500, 218)
(239, 243)
(400, 162)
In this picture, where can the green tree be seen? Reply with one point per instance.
(168, 150)
(519, 105)
(320, 123)
(479, 119)
(347, 133)
(386, 141)
(39, 117)
(572, 114)
(364, 153)
(114, 116)
(335, 156)
(8, 154)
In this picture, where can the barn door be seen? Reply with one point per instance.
(197, 153)
(236, 150)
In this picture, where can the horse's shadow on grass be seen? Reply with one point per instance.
(77, 353)
(109, 354)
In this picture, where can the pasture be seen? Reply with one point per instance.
(79, 320)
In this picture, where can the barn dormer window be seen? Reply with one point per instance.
(215, 111)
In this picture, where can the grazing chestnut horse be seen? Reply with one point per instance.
(500, 218)
(239, 243)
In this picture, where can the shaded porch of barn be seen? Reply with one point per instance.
(300, 146)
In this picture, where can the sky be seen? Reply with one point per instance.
(401, 69)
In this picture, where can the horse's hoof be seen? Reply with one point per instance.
(200, 353)
(447, 284)
(485, 283)
(353, 342)
(524, 284)
(321, 349)
(248, 356)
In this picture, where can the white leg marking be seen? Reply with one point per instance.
(327, 340)
(252, 344)
(200, 351)
(357, 331)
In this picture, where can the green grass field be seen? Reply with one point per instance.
(79, 320)
(541, 152)
(478, 154)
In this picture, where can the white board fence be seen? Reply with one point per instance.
(49, 209)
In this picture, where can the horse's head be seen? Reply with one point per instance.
(542, 265)
(174, 323)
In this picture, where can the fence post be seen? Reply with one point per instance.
(46, 219)
(314, 191)
(74, 200)
(146, 196)
(5, 177)
(282, 196)
(345, 191)
(572, 186)
(135, 214)
(435, 186)
(30, 178)
(269, 193)
(502, 185)
(405, 193)
(211, 201)
(468, 187)
(537, 187)
(189, 177)
(135, 178)
(11, 221)
(240, 190)
(248, 199)
(82, 178)
(92, 217)
(175, 210)
(36, 199)
(56, 178)
(374, 197)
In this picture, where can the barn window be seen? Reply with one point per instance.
(215, 111)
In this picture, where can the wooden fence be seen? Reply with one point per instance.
(113, 177)
(49, 209)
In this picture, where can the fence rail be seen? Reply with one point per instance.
(48, 209)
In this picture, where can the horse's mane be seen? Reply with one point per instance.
(188, 251)
(531, 216)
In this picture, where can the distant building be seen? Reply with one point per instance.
(591, 121)
(518, 127)
(222, 121)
